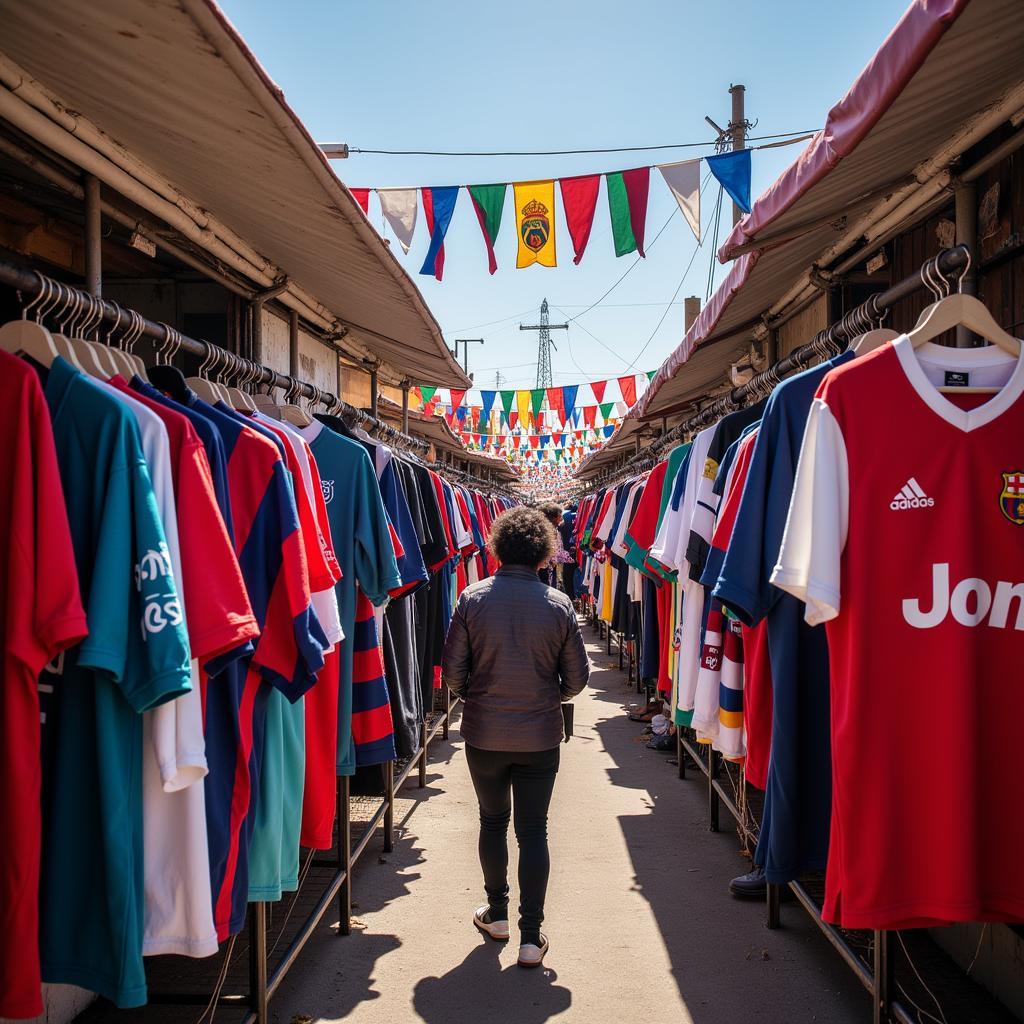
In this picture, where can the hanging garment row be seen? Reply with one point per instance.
(213, 609)
(827, 586)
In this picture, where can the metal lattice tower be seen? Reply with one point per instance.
(544, 345)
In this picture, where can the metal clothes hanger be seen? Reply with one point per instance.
(291, 412)
(874, 334)
(237, 398)
(29, 337)
(205, 388)
(100, 353)
(119, 358)
(81, 358)
(960, 310)
(134, 363)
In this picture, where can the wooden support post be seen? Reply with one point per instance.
(93, 237)
(293, 343)
(373, 393)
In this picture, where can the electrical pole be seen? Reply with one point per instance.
(465, 343)
(545, 344)
(738, 128)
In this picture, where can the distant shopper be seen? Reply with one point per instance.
(514, 652)
(548, 572)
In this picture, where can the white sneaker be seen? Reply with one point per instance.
(531, 955)
(497, 930)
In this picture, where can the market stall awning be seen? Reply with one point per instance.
(174, 84)
(622, 440)
(946, 76)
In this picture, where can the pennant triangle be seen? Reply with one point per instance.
(537, 399)
(598, 386)
(427, 394)
(438, 207)
(606, 409)
(683, 180)
(362, 197)
(627, 385)
(733, 173)
(579, 200)
(488, 201)
(399, 208)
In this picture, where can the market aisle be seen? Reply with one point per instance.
(639, 918)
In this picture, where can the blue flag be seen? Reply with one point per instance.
(569, 400)
(443, 201)
(486, 403)
(461, 413)
(609, 430)
(733, 172)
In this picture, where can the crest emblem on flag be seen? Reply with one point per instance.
(1011, 501)
(535, 226)
(327, 486)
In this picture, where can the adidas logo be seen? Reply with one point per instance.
(911, 496)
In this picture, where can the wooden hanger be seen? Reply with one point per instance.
(206, 389)
(30, 337)
(865, 343)
(72, 347)
(237, 398)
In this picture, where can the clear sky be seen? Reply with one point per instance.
(461, 75)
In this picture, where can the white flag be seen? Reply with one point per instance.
(399, 207)
(683, 180)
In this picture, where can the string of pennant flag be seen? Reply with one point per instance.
(534, 207)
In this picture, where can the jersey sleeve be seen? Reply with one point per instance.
(815, 534)
(221, 623)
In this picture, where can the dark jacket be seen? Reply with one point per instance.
(514, 652)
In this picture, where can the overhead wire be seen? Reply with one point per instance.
(792, 137)
(714, 248)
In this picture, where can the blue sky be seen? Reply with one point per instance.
(460, 75)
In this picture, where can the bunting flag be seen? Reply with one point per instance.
(627, 385)
(569, 393)
(460, 413)
(650, 374)
(399, 208)
(683, 180)
(598, 386)
(556, 403)
(362, 197)
(488, 201)
(457, 398)
(535, 222)
(608, 430)
(590, 416)
(537, 399)
(513, 420)
(733, 173)
(427, 394)
(507, 400)
(627, 204)
(579, 200)
(438, 207)
(485, 408)
(523, 402)
(606, 410)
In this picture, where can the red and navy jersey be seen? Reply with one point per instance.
(288, 655)
(373, 732)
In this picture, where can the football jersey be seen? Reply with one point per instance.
(42, 612)
(798, 787)
(905, 536)
(135, 658)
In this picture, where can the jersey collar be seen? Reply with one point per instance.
(959, 358)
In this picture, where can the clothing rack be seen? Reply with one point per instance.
(945, 267)
(218, 360)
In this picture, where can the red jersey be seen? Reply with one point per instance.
(906, 535)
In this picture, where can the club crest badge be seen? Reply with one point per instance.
(327, 486)
(535, 226)
(1011, 501)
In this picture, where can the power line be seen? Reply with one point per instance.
(793, 136)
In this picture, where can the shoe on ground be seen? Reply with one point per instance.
(497, 930)
(751, 886)
(531, 955)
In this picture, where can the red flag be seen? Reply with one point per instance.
(597, 387)
(628, 387)
(579, 198)
(362, 197)
(515, 440)
(428, 211)
(513, 419)
(534, 440)
(557, 439)
(457, 397)
(556, 402)
(637, 182)
(590, 414)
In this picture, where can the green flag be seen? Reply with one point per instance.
(427, 393)
(488, 201)
(537, 401)
(650, 374)
(606, 410)
(618, 207)
(508, 399)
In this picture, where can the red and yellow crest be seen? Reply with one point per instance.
(1011, 501)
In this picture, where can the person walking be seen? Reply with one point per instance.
(514, 652)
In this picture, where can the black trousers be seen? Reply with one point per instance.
(515, 785)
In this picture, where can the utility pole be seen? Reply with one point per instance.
(738, 128)
(465, 343)
(545, 344)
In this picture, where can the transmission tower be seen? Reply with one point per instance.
(544, 345)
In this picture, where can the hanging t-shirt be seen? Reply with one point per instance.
(135, 658)
(362, 545)
(43, 615)
(904, 536)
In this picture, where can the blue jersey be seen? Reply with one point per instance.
(795, 829)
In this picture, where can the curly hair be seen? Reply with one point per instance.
(522, 536)
(552, 511)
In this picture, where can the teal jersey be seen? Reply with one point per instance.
(135, 657)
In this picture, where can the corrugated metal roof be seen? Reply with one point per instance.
(945, 63)
(174, 84)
